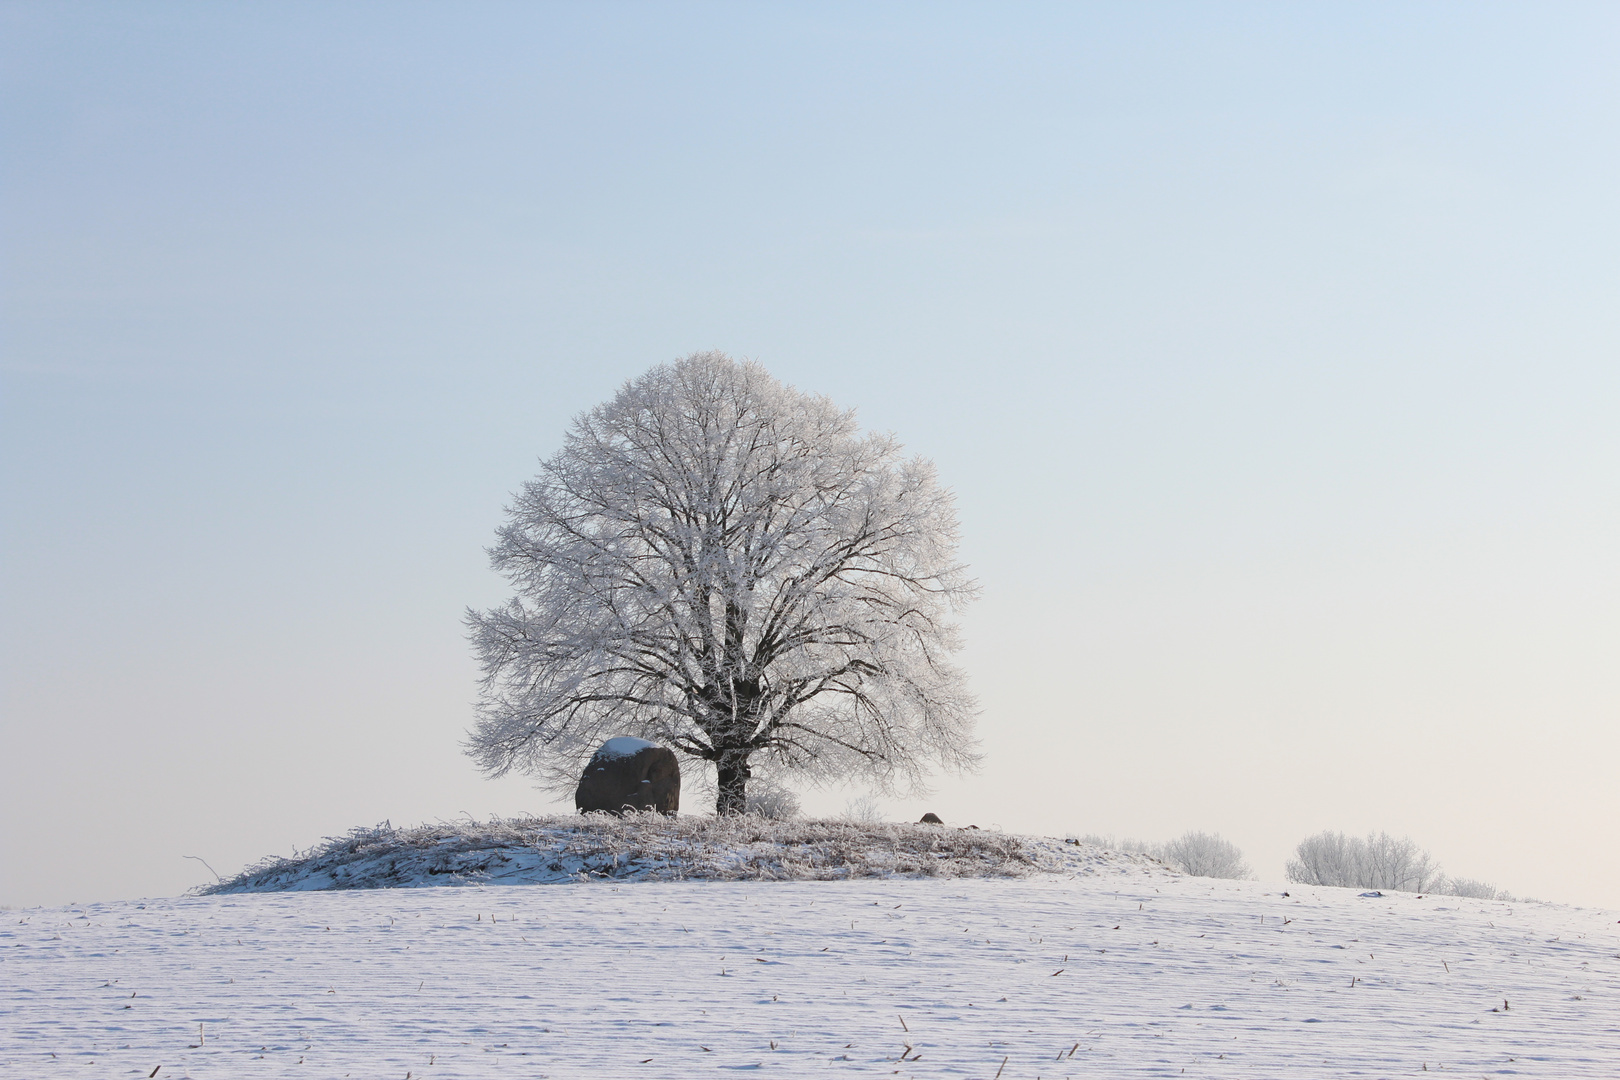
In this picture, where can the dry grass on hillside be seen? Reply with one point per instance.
(651, 847)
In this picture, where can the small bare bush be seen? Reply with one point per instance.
(864, 810)
(768, 799)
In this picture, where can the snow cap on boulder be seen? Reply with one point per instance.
(622, 746)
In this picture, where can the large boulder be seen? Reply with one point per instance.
(630, 774)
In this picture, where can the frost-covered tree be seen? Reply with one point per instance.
(728, 566)
(1378, 862)
(1204, 854)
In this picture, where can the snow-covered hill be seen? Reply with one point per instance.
(1102, 975)
(652, 847)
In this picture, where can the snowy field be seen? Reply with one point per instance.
(1106, 975)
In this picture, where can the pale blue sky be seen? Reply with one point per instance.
(1271, 350)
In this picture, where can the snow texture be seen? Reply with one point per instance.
(1105, 975)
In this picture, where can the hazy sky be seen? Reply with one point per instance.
(1273, 352)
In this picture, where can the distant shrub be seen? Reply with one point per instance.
(768, 799)
(1378, 862)
(864, 810)
(1125, 845)
(1197, 853)
(1204, 854)
(1473, 889)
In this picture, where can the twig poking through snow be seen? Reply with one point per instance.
(211, 870)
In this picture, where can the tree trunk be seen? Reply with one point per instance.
(732, 774)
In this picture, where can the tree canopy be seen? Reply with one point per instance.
(726, 565)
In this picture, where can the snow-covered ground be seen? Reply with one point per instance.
(1102, 975)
